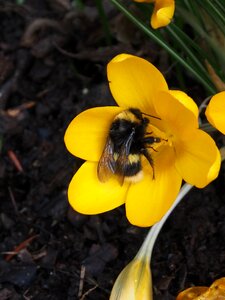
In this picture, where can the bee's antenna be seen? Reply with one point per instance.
(151, 116)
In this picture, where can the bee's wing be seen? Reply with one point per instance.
(106, 164)
(123, 158)
(122, 164)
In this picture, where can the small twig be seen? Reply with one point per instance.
(39, 255)
(81, 283)
(21, 246)
(13, 112)
(25, 295)
(88, 292)
(15, 160)
(65, 52)
(13, 200)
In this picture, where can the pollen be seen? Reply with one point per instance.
(115, 156)
(128, 116)
(133, 158)
(136, 178)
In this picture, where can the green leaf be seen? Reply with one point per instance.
(199, 74)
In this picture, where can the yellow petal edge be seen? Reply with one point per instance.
(215, 111)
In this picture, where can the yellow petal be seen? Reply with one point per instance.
(197, 158)
(134, 282)
(134, 81)
(176, 119)
(163, 13)
(148, 200)
(192, 293)
(215, 111)
(86, 135)
(187, 101)
(215, 292)
(214, 170)
(88, 195)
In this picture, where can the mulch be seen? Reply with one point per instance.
(53, 59)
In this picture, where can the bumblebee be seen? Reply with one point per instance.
(126, 142)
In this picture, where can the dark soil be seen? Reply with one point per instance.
(53, 60)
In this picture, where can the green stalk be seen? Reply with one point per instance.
(187, 3)
(194, 10)
(194, 59)
(220, 6)
(207, 128)
(213, 11)
(157, 38)
(187, 40)
(198, 52)
(104, 21)
(190, 19)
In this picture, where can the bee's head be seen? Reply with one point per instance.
(145, 121)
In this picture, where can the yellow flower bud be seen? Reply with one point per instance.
(134, 282)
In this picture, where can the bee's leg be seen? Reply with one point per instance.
(152, 148)
(149, 140)
(146, 154)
